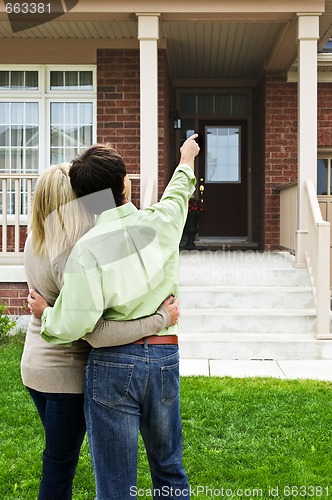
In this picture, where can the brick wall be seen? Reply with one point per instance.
(280, 149)
(14, 295)
(118, 109)
(324, 114)
(281, 130)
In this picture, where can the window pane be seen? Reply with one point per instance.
(57, 112)
(31, 80)
(322, 166)
(240, 105)
(31, 160)
(31, 136)
(86, 81)
(223, 154)
(86, 135)
(56, 155)
(4, 135)
(71, 113)
(4, 112)
(31, 113)
(4, 80)
(71, 80)
(16, 158)
(205, 104)
(75, 132)
(86, 110)
(188, 105)
(17, 136)
(17, 113)
(223, 104)
(4, 160)
(57, 136)
(71, 136)
(56, 80)
(17, 80)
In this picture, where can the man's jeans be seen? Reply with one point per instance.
(130, 388)
(62, 416)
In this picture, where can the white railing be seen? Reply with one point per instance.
(149, 193)
(317, 248)
(288, 215)
(15, 201)
(318, 260)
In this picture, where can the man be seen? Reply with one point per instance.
(125, 266)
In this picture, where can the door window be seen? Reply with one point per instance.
(223, 155)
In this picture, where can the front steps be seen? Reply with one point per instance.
(247, 305)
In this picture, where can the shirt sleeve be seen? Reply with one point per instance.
(174, 202)
(109, 333)
(78, 307)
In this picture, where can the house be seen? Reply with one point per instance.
(253, 78)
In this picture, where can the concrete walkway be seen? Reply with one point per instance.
(282, 369)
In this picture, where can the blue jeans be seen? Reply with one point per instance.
(62, 416)
(131, 388)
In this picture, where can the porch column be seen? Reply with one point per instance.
(308, 34)
(148, 34)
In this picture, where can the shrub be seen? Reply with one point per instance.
(6, 323)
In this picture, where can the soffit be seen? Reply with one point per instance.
(200, 46)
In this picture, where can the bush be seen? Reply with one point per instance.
(6, 323)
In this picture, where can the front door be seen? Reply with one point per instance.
(223, 173)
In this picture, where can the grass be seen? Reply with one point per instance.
(243, 438)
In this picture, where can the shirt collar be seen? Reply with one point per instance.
(116, 213)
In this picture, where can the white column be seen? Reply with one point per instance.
(148, 34)
(308, 34)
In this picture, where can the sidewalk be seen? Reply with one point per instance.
(283, 369)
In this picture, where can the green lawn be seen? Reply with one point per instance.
(243, 438)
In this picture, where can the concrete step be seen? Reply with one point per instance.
(230, 346)
(247, 320)
(247, 305)
(246, 297)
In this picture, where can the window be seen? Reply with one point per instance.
(214, 104)
(47, 116)
(223, 154)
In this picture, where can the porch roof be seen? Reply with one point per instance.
(205, 40)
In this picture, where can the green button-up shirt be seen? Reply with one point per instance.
(124, 267)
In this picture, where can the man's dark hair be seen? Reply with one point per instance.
(97, 170)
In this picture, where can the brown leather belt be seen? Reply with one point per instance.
(158, 339)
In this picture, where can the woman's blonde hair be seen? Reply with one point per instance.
(58, 218)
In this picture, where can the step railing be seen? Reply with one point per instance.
(318, 260)
(317, 252)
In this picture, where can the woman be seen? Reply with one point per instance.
(54, 374)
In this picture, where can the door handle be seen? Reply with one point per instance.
(201, 189)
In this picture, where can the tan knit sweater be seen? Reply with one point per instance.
(60, 368)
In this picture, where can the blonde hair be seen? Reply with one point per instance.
(58, 218)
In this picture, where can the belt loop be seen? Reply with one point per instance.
(145, 342)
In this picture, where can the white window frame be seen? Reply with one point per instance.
(45, 96)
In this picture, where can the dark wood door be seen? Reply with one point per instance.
(223, 172)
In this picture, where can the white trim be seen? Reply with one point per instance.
(148, 27)
(12, 274)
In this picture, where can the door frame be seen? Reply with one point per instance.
(248, 118)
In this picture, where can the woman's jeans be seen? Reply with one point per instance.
(62, 416)
(131, 388)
